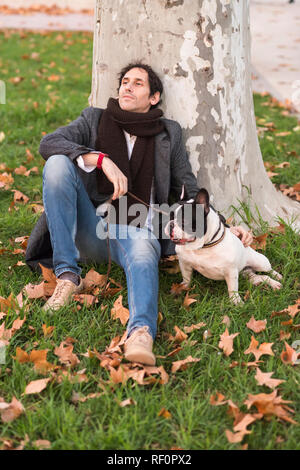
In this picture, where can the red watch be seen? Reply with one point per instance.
(100, 159)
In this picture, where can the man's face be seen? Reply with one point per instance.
(134, 92)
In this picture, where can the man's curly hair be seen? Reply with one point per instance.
(154, 80)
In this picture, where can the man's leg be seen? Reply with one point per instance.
(73, 224)
(138, 252)
(65, 202)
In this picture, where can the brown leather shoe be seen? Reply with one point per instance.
(62, 294)
(138, 347)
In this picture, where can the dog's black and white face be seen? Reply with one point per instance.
(189, 222)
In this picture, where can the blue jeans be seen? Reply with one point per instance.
(73, 223)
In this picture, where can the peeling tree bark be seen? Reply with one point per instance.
(201, 50)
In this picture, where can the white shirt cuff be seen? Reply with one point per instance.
(84, 167)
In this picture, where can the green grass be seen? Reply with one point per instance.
(37, 105)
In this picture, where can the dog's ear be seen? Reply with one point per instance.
(203, 198)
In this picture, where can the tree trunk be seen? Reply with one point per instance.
(201, 50)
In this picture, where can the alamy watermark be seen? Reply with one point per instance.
(2, 352)
(296, 93)
(2, 92)
(189, 217)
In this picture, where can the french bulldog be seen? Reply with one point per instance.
(216, 253)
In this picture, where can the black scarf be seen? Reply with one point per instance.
(111, 140)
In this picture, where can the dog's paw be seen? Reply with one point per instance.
(236, 299)
(275, 284)
(185, 285)
(276, 275)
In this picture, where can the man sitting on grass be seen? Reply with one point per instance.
(128, 146)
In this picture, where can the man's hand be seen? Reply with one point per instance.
(245, 237)
(111, 171)
(116, 177)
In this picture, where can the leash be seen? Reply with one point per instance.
(206, 245)
(109, 201)
(148, 205)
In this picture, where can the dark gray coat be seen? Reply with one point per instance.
(172, 170)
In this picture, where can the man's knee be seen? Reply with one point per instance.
(146, 250)
(57, 168)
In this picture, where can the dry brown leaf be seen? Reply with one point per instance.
(284, 335)
(175, 351)
(77, 398)
(10, 411)
(244, 422)
(21, 170)
(183, 364)
(29, 156)
(217, 399)
(127, 402)
(38, 357)
(264, 378)
(165, 413)
(17, 324)
(6, 180)
(278, 314)
(23, 240)
(20, 197)
(45, 288)
(270, 404)
(188, 301)
(189, 329)
(21, 356)
(54, 78)
(179, 337)
(34, 169)
(226, 320)
(35, 291)
(270, 175)
(264, 348)
(48, 330)
(283, 134)
(36, 386)
(237, 436)
(48, 274)
(256, 325)
(226, 342)
(234, 411)
(260, 242)
(94, 279)
(283, 165)
(240, 428)
(120, 312)
(6, 304)
(5, 335)
(74, 378)
(177, 289)
(119, 375)
(85, 299)
(164, 377)
(37, 208)
(43, 367)
(19, 299)
(289, 356)
(294, 309)
(65, 353)
(42, 444)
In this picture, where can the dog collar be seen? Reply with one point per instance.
(210, 244)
